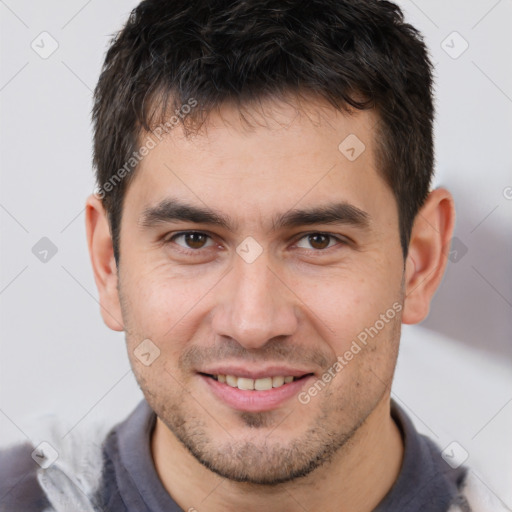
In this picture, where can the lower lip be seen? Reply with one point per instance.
(255, 401)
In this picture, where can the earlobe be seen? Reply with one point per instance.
(103, 262)
(427, 256)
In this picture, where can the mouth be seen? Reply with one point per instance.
(261, 384)
(256, 393)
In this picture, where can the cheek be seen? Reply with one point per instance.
(343, 302)
(169, 311)
(158, 299)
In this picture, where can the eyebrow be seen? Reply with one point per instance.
(175, 210)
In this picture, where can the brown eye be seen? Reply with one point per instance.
(195, 240)
(319, 241)
(191, 240)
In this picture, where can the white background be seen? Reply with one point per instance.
(454, 374)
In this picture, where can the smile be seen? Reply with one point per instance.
(254, 394)
(249, 384)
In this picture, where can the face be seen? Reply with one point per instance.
(267, 258)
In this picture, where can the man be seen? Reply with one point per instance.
(263, 225)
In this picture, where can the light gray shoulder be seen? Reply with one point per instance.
(19, 487)
(59, 472)
(476, 497)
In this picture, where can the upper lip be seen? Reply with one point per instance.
(255, 373)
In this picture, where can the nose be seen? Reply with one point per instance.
(256, 305)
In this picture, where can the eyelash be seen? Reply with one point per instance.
(195, 252)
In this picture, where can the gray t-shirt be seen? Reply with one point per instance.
(129, 482)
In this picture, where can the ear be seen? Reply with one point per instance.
(428, 250)
(101, 252)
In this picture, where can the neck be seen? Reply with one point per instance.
(357, 478)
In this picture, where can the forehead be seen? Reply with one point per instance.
(260, 161)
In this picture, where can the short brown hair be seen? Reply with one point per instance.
(354, 53)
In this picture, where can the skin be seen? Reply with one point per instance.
(301, 302)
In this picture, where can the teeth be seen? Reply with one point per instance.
(277, 381)
(232, 381)
(262, 384)
(246, 384)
